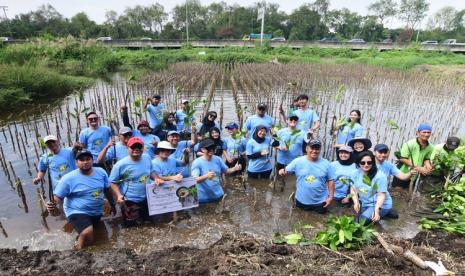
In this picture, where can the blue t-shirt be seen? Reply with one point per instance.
(285, 135)
(180, 125)
(178, 154)
(367, 194)
(235, 147)
(388, 168)
(210, 189)
(119, 151)
(83, 194)
(306, 118)
(253, 121)
(95, 140)
(148, 138)
(263, 163)
(348, 133)
(155, 114)
(312, 178)
(342, 172)
(169, 167)
(132, 176)
(207, 134)
(58, 164)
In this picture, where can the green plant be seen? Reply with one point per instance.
(295, 238)
(345, 232)
(292, 139)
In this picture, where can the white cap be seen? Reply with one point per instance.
(184, 101)
(165, 145)
(50, 138)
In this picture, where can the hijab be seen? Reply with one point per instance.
(255, 135)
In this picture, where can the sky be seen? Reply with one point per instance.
(96, 9)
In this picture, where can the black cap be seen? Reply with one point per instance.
(157, 97)
(381, 147)
(261, 106)
(82, 153)
(294, 117)
(452, 143)
(206, 143)
(314, 142)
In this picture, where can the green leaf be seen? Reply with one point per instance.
(307, 226)
(366, 180)
(341, 236)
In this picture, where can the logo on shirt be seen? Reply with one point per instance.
(363, 191)
(143, 179)
(63, 168)
(98, 142)
(310, 179)
(96, 194)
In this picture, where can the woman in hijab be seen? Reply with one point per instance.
(257, 150)
(343, 168)
(219, 145)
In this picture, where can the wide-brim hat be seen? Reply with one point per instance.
(164, 145)
(365, 141)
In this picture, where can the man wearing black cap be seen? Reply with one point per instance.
(155, 109)
(260, 118)
(381, 155)
(315, 179)
(442, 151)
(82, 191)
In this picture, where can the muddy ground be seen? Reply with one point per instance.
(238, 254)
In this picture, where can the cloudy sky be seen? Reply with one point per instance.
(96, 8)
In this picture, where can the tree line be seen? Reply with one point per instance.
(218, 20)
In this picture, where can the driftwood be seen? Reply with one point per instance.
(409, 255)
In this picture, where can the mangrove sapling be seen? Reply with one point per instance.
(345, 232)
(297, 237)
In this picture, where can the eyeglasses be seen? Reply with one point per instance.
(363, 163)
(92, 119)
(136, 146)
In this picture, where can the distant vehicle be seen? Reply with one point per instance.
(449, 42)
(4, 38)
(429, 42)
(104, 38)
(356, 40)
(328, 40)
(278, 39)
(146, 38)
(387, 41)
(253, 36)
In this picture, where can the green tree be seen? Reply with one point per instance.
(383, 9)
(305, 24)
(412, 12)
(81, 26)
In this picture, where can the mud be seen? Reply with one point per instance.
(233, 254)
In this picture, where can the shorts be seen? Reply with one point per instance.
(82, 221)
(134, 213)
(312, 207)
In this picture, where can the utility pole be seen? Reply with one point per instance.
(187, 24)
(261, 15)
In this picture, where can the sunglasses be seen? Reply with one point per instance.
(92, 119)
(363, 163)
(136, 146)
(129, 134)
(212, 116)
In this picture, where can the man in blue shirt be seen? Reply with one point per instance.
(115, 151)
(308, 119)
(129, 178)
(58, 161)
(82, 191)
(156, 111)
(292, 137)
(315, 179)
(96, 136)
(260, 118)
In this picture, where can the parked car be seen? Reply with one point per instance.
(104, 38)
(356, 40)
(4, 38)
(328, 40)
(387, 41)
(429, 42)
(280, 38)
(146, 38)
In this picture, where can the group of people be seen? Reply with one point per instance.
(160, 150)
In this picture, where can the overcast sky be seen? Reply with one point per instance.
(96, 9)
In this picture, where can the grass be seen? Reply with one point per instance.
(39, 70)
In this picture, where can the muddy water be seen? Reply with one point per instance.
(256, 209)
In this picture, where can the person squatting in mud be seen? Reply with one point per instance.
(140, 157)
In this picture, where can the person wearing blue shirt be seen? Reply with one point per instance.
(96, 136)
(150, 140)
(113, 152)
(129, 178)
(155, 109)
(235, 147)
(258, 153)
(220, 146)
(343, 168)
(58, 161)
(207, 123)
(183, 128)
(259, 119)
(82, 191)
(371, 189)
(207, 171)
(315, 179)
(349, 129)
(381, 152)
(165, 166)
(183, 148)
(308, 119)
(290, 136)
